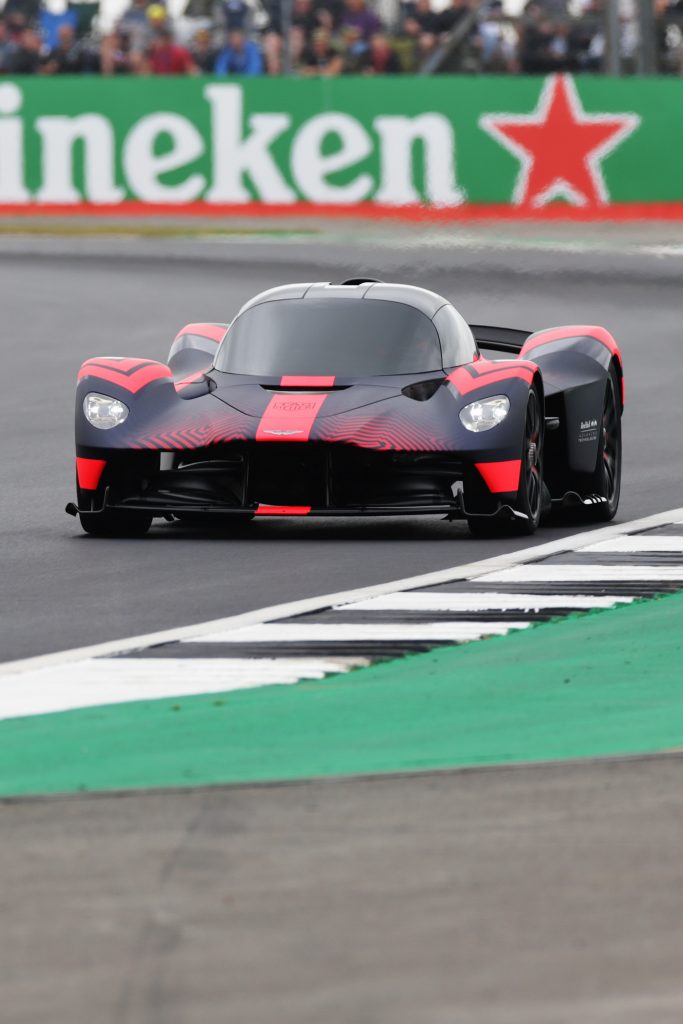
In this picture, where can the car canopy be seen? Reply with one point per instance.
(330, 336)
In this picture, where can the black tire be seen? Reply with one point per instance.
(115, 524)
(529, 499)
(606, 479)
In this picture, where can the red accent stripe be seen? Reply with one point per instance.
(482, 366)
(501, 477)
(283, 510)
(289, 417)
(211, 331)
(186, 381)
(368, 211)
(307, 382)
(122, 365)
(574, 331)
(578, 331)
(89, 472)
(464, 382)
(119, 372)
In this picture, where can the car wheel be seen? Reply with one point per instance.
(606, 481)
(529, 500)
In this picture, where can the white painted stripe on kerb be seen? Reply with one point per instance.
(320, 632)
(640, 543)
(479, 602)
(468, 571)
(459, 572)
(70, 679)
(94, 682)
(586, 574)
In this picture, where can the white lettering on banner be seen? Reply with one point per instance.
(143, 166)
(311, 167)
(243, 165)
(12, 187)
(397, 137)
(58, 136)
(235, 156)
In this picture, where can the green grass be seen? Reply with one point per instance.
(598, 684)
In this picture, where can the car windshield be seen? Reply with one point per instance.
(330, 336)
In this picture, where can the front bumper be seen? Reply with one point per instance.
(274, 479)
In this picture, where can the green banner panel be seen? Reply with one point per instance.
(443, 141)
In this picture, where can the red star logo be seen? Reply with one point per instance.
(560, 147)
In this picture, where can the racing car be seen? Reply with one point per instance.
(357, 399)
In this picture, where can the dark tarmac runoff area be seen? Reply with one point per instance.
(509, 896)
(529, 895)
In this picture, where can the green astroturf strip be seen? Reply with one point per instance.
(604, 683)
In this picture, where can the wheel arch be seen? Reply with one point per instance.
(617, 363)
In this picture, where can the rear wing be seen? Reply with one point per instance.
(500, 339)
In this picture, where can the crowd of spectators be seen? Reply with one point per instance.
(326, 38)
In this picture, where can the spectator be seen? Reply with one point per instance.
(358, 16)
(28, 9)
(305, 17)
(555, 10)
(535, 42)
(323, 58)
(15, 25)
(241, 56)
(426, 18)
(355, 49)
(451, 17)
(328, 37)
(272, 9)
(157, 16)
(235, 14)
(589, 51)
(23, 58)
(545, 44)
(117, 56)
(587, 44)
(67, 58)
(413, 45)
(203, 51)
(669, 21)
(498, 41)
(297, 46)
(380, 58)
(327, 18)
(166, 57)
(5, 45)
(136, 25)
(272, 53)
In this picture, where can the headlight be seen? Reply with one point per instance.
(487, 413)
(104, 412)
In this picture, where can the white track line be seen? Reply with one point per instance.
(635, 545)
(586, 574)
(313, 604)
(315, 632)
(91, 682)
(478, 602)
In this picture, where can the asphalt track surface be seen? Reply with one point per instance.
(60, 589)
(509, 896)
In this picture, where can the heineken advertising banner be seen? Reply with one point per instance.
(452, 143)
